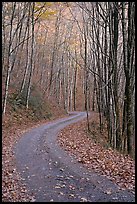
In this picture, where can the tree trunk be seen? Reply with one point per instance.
(9, 67)
(31, 58)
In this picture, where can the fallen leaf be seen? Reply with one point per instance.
(83, 200)
(108, 191)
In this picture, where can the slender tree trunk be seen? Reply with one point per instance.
(74, 89)
(115, 82)
(128, 46)
(31, 58)
(86, 83)
(9, 67)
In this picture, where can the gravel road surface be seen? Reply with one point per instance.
(53, 175)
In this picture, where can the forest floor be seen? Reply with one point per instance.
(92, 150)
(75, 140)
(14, 125)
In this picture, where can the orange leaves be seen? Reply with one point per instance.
(111, 163)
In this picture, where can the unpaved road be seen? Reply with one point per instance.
(52, 175)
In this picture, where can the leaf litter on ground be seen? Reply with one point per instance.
(14, 188)
(118, 167)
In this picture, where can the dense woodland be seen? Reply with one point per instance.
(80, 54)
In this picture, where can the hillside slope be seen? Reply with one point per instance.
(17, 121)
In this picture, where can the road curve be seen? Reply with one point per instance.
(52, 175)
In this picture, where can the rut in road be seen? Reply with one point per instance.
(53, 175)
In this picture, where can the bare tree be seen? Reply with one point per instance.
(31, 57)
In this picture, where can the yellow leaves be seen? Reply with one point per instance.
(44, 11)
(47, 14)
(41, 3)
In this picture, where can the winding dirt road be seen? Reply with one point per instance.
(52, 175)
